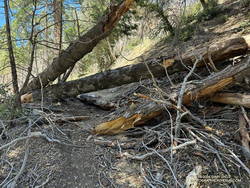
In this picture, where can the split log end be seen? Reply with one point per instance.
(27, 98)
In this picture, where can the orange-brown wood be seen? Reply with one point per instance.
(114, 16)
(232, 98)
(207, 91)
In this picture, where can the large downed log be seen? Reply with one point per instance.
(82, 46)
(204, 88)
(217, 82)
(216, 52)
(232, 98)
(105, 99)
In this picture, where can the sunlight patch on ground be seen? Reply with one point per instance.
(137, 51)
(14, 153)
(126, 174)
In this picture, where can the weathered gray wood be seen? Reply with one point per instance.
(107, 98)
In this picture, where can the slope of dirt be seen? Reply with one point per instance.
(234, 20)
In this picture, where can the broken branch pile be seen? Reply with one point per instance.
(216, 57)
(178, 111)
(174, 111)
(194, 91)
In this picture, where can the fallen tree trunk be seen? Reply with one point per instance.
(77, 49)
(232, 98)
(106, 98)
(217, 82)
(134, 73)
(204, 88)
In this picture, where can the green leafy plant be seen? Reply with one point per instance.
(195, 14)
(7, 107)
(187, 32)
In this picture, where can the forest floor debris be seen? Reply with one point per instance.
(212, 147)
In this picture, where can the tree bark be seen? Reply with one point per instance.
(80, 47)
(226, 78)
(58, 5)
(133, 73)
(11, 55)
(167, 25)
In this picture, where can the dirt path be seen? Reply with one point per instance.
(60, 165)
(78, 167)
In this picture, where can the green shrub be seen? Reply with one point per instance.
(191, 13)
(212, 3)
(187, 32)
(7, 101)
(196, 13)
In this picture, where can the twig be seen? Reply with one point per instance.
(180, 98)
(154, 81)
(169, 166)
(241, 163)
(2, 128)
(73, 119)
(211, 63)
(35, 135)
(12, 184)
(145, 178)
(142, 157)
(245, 115)
(169, 79)
(181, 60)
(222, 144)
(41, 83)
(45, 182)
(7, 177)
(244, 136)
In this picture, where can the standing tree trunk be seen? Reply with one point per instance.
(77, 49)
(47, 51)
(32, 40)
(167, 25)
(11, 55)
(57, 5)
